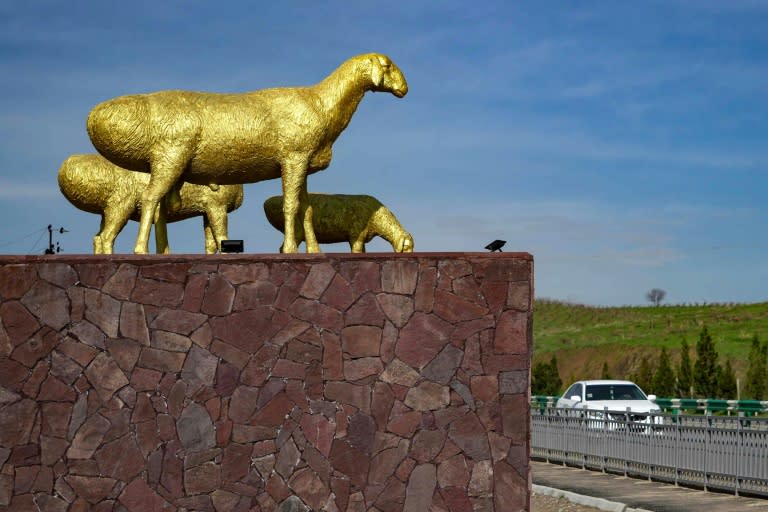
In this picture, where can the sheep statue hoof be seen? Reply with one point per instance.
(355, 219)
(95, 185)
(228, 139)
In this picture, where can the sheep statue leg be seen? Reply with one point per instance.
(215, 223)
(357, 245)
(211, 246)
(167, 168)
(114, 219)
(97, 245)
(161, 229)
(308, 227)
(294, 209)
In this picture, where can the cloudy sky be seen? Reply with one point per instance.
(623, 144)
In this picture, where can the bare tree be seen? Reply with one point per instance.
(656, 296)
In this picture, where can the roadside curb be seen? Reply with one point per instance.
(587, 501)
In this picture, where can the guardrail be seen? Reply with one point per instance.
(724, 453)
(681, 405)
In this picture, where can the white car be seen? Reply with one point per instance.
(613, 404)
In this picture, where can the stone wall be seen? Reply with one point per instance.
(230, 383)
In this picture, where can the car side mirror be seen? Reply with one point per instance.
(576, 398)
(652, 398)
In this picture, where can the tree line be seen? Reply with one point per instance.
(703, 377)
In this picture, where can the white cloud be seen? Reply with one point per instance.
(27, 191)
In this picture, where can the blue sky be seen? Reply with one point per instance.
(623, 144)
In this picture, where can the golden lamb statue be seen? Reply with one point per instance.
(210, 138)
(95, 185)
(346, 218)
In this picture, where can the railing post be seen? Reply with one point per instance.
(707, 446)
(547, 431)
(626, 441)
(739, 453)
(584, 433)
(604, 454)
(677, 447)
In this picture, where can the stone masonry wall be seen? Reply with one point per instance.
(238, 383)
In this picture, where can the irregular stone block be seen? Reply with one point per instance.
(366, 311)
(48, 303)
(246, 330)
(105, 376)
(513, 382)
(203, 478)
(37, 347)
(318, 279)
(139, 497)
(511, 332)
(122, 281)
(157, 293)
(103, 311)
(453, 308)
(120, 459)
(361, 340)
(443, 367)
(421, 339)
(398, 308)
(469, 435)
(399, 276)
(94, 489)
(427, 396)
(219, 296)
(310, 488)
(88, 437)
(316, 313)
(161, 360)
(357, 369)
(421, 486)
(319, 431)
(15, 280)
(178, 321)
(16, 422)
(346, 393)
(199, 368)
(195, 428)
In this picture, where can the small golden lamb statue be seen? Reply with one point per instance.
(94, 184)
(345, 218)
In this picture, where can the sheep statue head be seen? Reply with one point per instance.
(386, 76)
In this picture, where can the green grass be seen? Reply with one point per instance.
(584, 337)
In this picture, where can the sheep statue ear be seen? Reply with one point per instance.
(377, 71)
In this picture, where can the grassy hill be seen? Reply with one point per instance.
(585, 337)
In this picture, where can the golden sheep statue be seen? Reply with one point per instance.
(211, 138)
(346, 218)
(93, 184)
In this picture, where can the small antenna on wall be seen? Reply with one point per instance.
(50, 249)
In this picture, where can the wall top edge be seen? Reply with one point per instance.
(251, 258)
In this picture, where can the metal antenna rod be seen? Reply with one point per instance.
(50, 249)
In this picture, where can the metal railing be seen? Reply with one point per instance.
(693, 405)
(723, 453)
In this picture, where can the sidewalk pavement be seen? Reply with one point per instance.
(616, 493)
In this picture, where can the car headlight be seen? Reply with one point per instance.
(595, 415)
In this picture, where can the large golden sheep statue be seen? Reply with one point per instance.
(95, 185)
(346, 218)
(210, 138)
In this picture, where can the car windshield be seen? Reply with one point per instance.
(614, 392)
